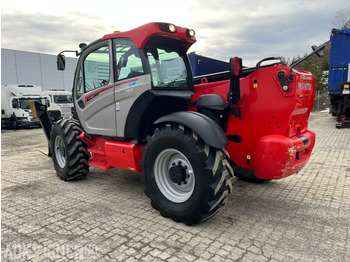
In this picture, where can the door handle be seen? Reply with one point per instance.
(81, 104)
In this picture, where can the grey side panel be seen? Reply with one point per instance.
(126, 92)
(98, 115)
(204, 126)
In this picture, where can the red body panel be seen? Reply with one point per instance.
(106, 154)
(278, 156)
(267, 111)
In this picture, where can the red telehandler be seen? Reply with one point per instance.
(138, 107)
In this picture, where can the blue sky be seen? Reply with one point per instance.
(249, 29)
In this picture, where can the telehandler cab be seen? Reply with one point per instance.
(137, 107)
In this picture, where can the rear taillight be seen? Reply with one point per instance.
(235, 66)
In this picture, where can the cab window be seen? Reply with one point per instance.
(128, 61)
(168, 68)
(80, 88)
(96, 69)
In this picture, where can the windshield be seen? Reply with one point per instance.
(62, 99)
(24, 102)
(168, 69)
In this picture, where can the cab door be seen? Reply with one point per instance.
(130, 80)
(94, 90)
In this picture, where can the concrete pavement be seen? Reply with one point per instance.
(107, 217)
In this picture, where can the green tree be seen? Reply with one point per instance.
(317, 66)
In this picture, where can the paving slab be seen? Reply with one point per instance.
(107, 217)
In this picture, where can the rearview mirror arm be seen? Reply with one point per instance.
(70, 51)
(316, 50)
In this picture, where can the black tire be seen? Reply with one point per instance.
(13, 123)
(69, 152)
(184, 177)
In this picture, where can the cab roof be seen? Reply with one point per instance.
(142, 34)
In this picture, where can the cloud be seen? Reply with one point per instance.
(257, 29)
(48, 33)
(250, 29)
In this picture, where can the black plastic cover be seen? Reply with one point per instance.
(204, 126)
(211, 101)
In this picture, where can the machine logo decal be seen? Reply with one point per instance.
(133, 80)
(305, 86)
(94, 94)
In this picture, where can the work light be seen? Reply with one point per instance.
(190, 33)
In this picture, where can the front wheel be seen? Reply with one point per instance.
(69, 152)
(184, 177)
(13, 123)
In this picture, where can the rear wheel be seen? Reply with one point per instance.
(184, 177)
(69, 152)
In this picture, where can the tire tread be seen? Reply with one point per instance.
(78, 154)
(215, 172)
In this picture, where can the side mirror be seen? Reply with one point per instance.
(61, 62)
(15, 104)
(2, 111)
(82, 46)
(318, 52)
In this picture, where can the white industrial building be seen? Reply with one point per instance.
(21, 67)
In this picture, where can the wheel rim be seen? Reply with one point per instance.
(174, 175)
(60, 151)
